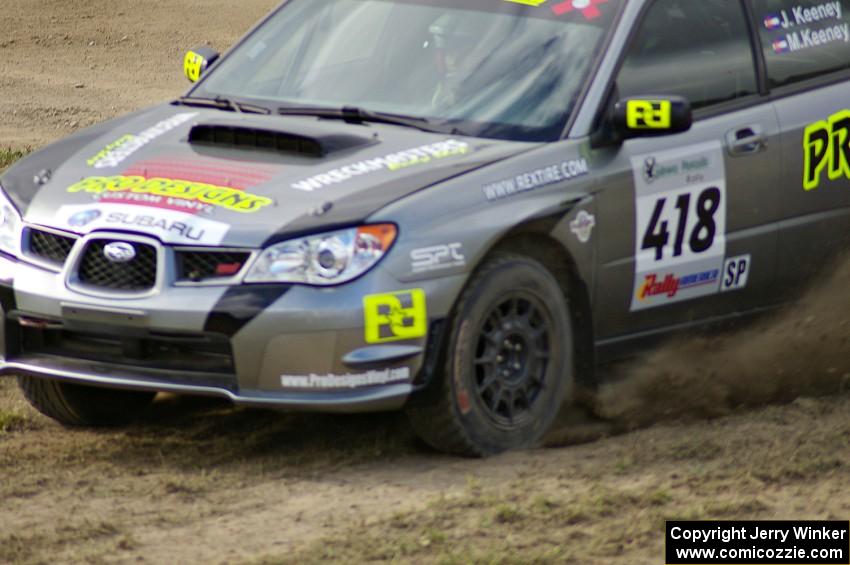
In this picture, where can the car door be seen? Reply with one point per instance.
(806, 46)
(691, 217)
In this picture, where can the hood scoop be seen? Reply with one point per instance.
(316, 143)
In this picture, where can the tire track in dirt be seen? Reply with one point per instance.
(204, 482)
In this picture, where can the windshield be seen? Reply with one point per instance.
(507, 69)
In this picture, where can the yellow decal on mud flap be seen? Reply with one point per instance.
(395, 316)
(826, 144)
(221, 196)
(193, 66)
(649, 114)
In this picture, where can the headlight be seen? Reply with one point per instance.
(325, 259)
(10, 226)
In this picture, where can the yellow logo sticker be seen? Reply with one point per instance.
(649, 114)
(221, 196)
(534, 3)
(826, 145)
(105, 152)
(193, 66)
(395, 316)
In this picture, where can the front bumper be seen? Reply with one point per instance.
(389, 397)
(291, 347)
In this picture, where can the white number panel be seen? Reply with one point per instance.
(680, 244)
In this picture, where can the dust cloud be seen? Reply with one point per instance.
(802, 351)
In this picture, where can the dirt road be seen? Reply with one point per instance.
(66, 64)
(200, 481)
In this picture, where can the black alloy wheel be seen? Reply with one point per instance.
(508, 362)
(512, 358)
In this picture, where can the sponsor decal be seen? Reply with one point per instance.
(825, 17)
(193, 66)
(534, 180)
(808, 38)
(175, 190)
(680, 240)
(734, 277)
(349, 380)
(154, 201)
(736, 272)
(781, 46)
(772, 21)
(437, 257)
(167, 225)
(222, 172)
(394, 162)
(654, 171)
(804, 15)
(588, 8)
(671, 285)
(649, 114)
(652, 287)
(582, 226)
(812, 14)
(826, 148)
(203, 170)
(395, 316)
(534, 3)
(118, 151)
(84, 218)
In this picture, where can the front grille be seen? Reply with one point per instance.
(197, 266)
(137, 274)
(50, 247)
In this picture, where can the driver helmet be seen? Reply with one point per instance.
(455, 36)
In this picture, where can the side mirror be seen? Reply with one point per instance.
(197, 61)
(652, 116)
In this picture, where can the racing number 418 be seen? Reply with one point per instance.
(702, 235)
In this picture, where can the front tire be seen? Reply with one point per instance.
(509, 362)
(83, 406)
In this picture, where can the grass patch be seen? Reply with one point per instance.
(503, 528)
(24, 547)
(11, 421)
(9, 156)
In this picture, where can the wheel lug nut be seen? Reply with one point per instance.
(508, 344)
(500, 359)
(518, 347)
(517, 366)
(506, 373)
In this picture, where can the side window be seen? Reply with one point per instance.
(697, 49)
(803, 39)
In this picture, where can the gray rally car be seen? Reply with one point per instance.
(459, 207)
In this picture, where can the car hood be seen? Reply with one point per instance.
(206, 177)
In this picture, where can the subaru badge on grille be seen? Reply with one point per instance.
(119, 252)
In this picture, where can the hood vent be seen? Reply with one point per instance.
(240, 136)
